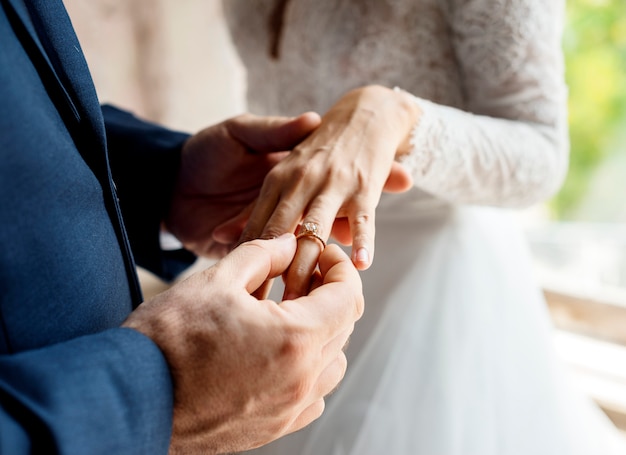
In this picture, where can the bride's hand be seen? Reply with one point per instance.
(334, 177)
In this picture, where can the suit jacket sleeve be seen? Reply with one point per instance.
(144, 160)
(76, 397)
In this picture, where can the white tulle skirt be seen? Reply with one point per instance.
(454, 355)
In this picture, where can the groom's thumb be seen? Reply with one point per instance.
(252, 263)
(272, 134)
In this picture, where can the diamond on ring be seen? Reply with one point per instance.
(310, 229)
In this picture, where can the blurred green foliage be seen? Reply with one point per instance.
(595, 53)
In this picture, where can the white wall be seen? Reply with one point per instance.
(167, 60)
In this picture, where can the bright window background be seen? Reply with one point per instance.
(579, 238)
(580, 247)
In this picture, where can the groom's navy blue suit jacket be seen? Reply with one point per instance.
(71, 381)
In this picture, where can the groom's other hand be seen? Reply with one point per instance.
(222, 170)
(248, 371)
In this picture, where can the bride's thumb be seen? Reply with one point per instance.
(399, 179)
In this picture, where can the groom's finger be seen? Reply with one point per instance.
(229, 232)
(311, 413)
(272, 134)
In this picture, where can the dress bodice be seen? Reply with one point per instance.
(347, 44)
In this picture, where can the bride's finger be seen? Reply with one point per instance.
(362, 227)
(298, 190)
(264, 290)
(299, 276)
(312, 237)
(341, 231)
(262, 211)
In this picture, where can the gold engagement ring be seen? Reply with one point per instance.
(310, 229)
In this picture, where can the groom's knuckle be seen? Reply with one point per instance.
(274, 178)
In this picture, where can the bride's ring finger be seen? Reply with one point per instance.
(312, 236)
(311, 230)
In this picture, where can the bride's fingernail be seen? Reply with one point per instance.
(362, 255)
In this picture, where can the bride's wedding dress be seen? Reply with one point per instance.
(454, 353)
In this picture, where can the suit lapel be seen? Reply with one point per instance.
(22, 13)
(61, 44)
(60, 61)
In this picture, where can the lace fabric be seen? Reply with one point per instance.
(513, 150)
(466, 158)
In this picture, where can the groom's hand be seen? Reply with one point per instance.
(247, 371)
(222, 170)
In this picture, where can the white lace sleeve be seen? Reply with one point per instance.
(511, 149)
